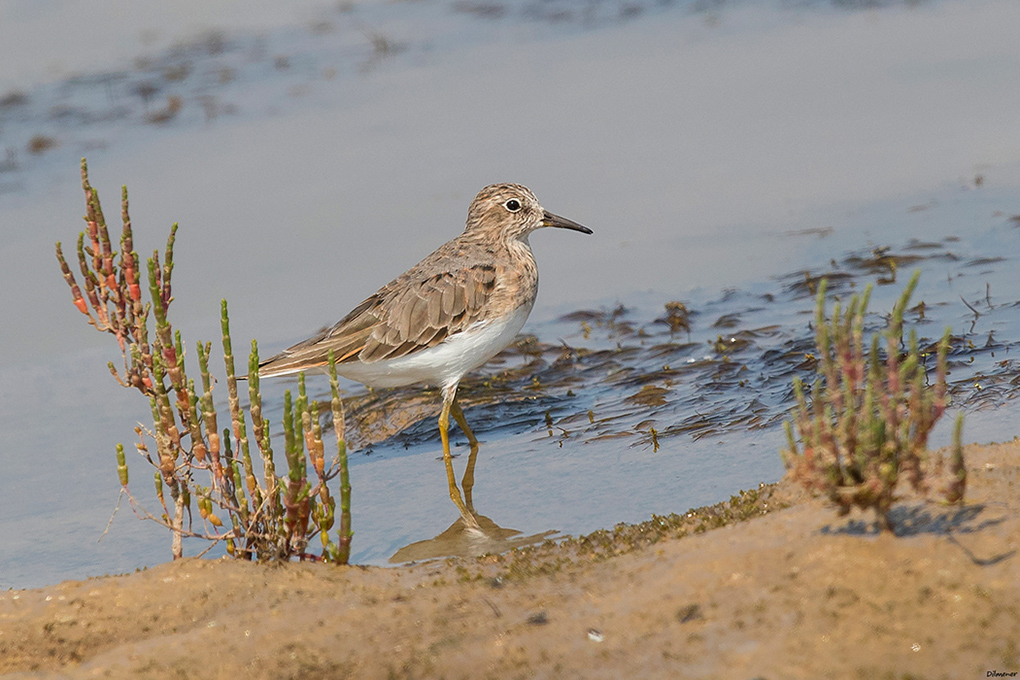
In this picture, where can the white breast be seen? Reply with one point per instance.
(447, 362)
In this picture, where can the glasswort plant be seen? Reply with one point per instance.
(867, 422)
(256, 512)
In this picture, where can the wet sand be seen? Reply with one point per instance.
(795, 593)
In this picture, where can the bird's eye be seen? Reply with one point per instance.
(513, 205)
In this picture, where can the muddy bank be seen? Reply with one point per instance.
(791, 594)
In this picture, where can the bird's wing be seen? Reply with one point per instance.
(418, 310)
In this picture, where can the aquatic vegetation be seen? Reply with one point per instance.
(550, 556)
(867, 422)
(267, 516)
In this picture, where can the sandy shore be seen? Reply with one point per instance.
(795, 593)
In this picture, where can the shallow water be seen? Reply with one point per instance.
(717, 153)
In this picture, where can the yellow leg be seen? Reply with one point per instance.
(444, 434)
(458, 415)
(468, 481)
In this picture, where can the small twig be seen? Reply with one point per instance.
(977, 315)
(120, 496)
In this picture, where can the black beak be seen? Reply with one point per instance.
(551, 220)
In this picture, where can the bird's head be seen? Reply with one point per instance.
(511, 211)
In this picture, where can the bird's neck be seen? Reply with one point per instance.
(519, 249)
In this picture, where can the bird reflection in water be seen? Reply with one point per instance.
(470, 534)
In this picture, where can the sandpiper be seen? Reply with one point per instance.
(444, 317)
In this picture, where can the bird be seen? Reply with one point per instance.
(445, 316)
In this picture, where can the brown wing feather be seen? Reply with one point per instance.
(346, 338)
(418, 310)
(420, 318)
